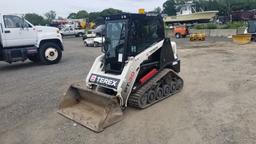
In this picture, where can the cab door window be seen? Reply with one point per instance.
(144, 34)
(11, 21)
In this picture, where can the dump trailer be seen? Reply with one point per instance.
(139, 67)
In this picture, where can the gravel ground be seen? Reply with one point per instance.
(216, 106)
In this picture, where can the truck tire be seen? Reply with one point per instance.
(178, 35)
(96, 44)
(80, 34)
(50, 53)
(86, 45)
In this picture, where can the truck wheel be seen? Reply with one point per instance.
(50, 53)
(95, 44)
(86, 45)
(80, 34)
(177, 35)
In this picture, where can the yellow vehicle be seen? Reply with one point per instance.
(197, 37)
(242, 38)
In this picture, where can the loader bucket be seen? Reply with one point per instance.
(242, 38)
(93, 110)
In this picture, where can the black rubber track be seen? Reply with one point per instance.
(166, 75)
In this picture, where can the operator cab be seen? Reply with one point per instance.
(127, 35)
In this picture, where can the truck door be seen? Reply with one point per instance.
(18, 32)
(72, 31)
(65, 31)
(29, 33)
(68, 31)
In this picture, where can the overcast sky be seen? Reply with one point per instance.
(64, 7)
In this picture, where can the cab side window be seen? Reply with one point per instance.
(144, 34)
(11, 21)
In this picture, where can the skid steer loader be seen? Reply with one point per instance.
(138, 68)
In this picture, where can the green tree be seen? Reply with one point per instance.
(93, 16)
(178, 2)
(82, 14)
(72, 16)
(51, 15)
(158, 10)
(110, 11)
(169, 7)
(35, 19)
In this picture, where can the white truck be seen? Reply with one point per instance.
(72, 31)
(21, 40)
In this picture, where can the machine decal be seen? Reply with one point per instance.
(131, 77)
(104, 81)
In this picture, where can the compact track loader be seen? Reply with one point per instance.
(138, 68)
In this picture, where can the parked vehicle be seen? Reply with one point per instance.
(181, 31)
(72, 31)
(98, 31)
(89, 34)
(21, 40)
(95, 42)
(95, 37)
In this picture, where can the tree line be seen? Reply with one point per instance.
(82, 14)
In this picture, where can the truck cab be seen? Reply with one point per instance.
(21, 40)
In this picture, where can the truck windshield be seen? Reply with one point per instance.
(115, 44)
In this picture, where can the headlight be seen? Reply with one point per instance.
(58, 31)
